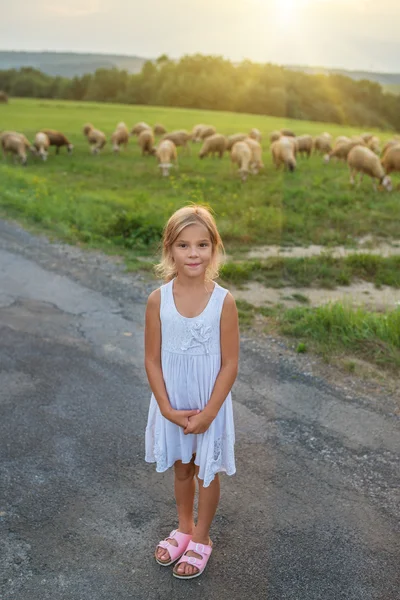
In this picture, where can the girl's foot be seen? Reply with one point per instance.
(187, 569)
(162, 554)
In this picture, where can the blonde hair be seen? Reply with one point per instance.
(189, 215)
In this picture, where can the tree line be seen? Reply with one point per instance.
(214, 83)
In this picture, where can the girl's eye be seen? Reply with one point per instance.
(204, 245)
(182, 245)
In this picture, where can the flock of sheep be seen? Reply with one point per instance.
(362, 153)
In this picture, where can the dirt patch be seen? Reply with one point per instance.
(359, 294)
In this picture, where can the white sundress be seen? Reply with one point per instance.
(191, 361)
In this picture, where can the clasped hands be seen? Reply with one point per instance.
(191, 421)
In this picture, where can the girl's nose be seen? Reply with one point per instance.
(193, 251)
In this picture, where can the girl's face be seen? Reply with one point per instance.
(192, 251)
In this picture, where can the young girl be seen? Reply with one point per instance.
(191, 357)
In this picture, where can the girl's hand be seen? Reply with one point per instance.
(198, 423)
(180, 417)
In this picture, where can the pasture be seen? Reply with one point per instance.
(120, 203)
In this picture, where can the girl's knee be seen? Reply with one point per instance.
(183, 471)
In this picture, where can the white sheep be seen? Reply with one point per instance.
(304, 144)
(274, 136)
(363, 161)
(341, 150)
(96, 138)
(374, 144)
(255, 134)
(120, 137)
(195, 135)
(389, 144)
(236, 137)
(287, 133)
(139, 127)
(16, 144)
(215, 144)
(241, 155)
(283, 153)
(341, 139)
(391, 159)
(179, 137)
(256, 163)
(323, 143)
(41, 144)
(146, 142)
(166, 154)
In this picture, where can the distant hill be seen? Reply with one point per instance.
(69, 64)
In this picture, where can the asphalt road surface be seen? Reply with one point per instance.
(312, 513)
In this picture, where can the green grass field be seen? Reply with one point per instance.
(121, 203)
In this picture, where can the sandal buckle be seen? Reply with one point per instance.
(198, 548)
(192, 560)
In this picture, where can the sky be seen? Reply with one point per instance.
(351, 34)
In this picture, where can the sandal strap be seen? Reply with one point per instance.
(183, 540)
(202, 549)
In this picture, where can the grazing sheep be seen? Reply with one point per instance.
(195, 135)
(362, 160)
(304, 144)
(323, 144)
(287, 133)
(215, 144)
(58, 139)
(146, 142)
(367, 136)
(341, 151)
(236, 137)
(120, 137)
(139, 127)
(255, 134)
(179, 137)
(374, 144)
(159, 129)
(391, 160)
(341, 139)
(3, 97)
(256, 163)
(15, 144)
(41, 144)
(241, 155)
(389, 145)
(274, 136)
(96, 138)
(166, 154)
(207, 131)
(283, 152)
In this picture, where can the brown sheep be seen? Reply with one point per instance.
(283, 153)
(179, 137)
(274, 136)
(139, 127)
(166, 154)
(241, 155)
(236, 137)
(364, 161)
(215, 144)
(120, 137)
(304, 145)
(159, 129)
(96, 138)
(58, 139)
(3, 98)
(391, 159)
(256, 163)
(255, 134)
(146, 142)
(287, 133)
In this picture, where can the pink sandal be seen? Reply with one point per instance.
(199, 563)
(175, 552)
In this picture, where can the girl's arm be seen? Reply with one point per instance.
(229, 368)
(152, 344)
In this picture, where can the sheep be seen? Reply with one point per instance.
(391, 160)
(305, 144)
(283, 152)
(274, 136)
(236, 137)
(96, 138)
(41, 145)
(146, 142)
(340, 140)
(241, 155)
(255, 134)
(215, 144)
(16, 144)
(166, 154)
(207, 131)
(58, 139)
(287, 133)
(179, 137)
(196, 132)
(322, 144)
(389, 145)
(256, 163)
(3, 97)
(139, 127)
(367, 136)
(362, 160)
(374, 144)
(120, 137)
(341, 151)
(293, 142)
(159, 129)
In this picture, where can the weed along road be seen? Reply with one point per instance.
(312, 513)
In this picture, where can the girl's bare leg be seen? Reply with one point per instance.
(185, 487)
